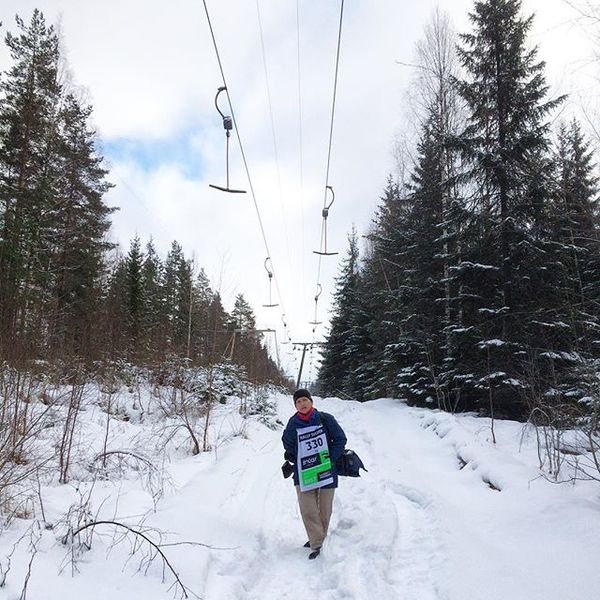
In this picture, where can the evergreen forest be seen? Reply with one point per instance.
(478, 285)
(68, 296)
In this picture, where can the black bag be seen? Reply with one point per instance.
(349, 464)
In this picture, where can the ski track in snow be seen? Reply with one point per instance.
(427, 522)
(382, 541)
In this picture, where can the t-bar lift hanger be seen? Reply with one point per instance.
(228, 126)
(323, 248)
(286, 336)
(319, 290)
(270, 273)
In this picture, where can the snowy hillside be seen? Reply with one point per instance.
(441, 514)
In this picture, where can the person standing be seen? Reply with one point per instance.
(313, 442)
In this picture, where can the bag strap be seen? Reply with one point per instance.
(324, 423)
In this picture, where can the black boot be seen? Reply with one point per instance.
(314, 553)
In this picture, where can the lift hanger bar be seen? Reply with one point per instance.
(228, 126)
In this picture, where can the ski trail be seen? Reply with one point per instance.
(383, 541)
(418, 551)
(402, 526)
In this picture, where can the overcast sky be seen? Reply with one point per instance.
(149, 69)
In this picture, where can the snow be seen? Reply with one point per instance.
(555, 324)
(443, 513)
(466, 264)
(490, 343)
(568, 356)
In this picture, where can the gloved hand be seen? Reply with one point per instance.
(287, 469)
(289, 457)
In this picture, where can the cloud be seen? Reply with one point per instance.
(151, 73)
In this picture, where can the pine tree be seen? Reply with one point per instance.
(28, 121)
(73, 232)
(52, 216)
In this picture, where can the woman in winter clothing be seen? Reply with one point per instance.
(315, 503)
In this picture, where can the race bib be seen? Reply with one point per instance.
(314, 464)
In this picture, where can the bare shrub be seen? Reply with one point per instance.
(182, 412)
(32, 536)
(22, 418)
(74, 402)
(81, 525)
(565, 418)
(111, 464)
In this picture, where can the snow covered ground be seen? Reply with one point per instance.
(441, 514)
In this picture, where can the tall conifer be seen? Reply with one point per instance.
(28, 120)
(505, 91)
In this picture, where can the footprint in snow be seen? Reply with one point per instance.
(346, 524)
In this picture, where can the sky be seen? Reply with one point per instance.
(441, 514)
(150, 71)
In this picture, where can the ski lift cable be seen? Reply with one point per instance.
(273, 135)
(244, 160)
(333, 103)
(300, 144)
(335, 81)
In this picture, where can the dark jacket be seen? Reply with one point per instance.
(336, 439)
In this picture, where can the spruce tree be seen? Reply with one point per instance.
(135, 301)
(172, 295)
(203, 297)
(383, 275)
(154, 312)
(183, 306)
(245, 342)
(52, 217)
(340, 357)
(575, 232)
(116, 338)
(504, 91)
(425, 255)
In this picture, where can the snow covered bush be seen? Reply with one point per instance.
(262, 405)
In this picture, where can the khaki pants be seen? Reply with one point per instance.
(315, 508)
